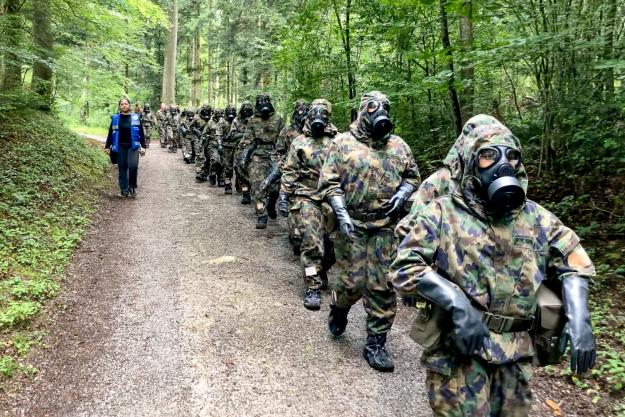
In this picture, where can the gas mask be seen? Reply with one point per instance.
(230, 114)
(377, 119)
(218, 114)
(146, 108)
(264, 106)
(205, 112)
(496, 169)
(319, 119)
(300, 113)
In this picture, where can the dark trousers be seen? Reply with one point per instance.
(128, 164)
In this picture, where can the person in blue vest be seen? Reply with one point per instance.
(125, 142)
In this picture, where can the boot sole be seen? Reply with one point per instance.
(313, 307)
(261, 227)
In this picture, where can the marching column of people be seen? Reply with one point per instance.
(499, 283)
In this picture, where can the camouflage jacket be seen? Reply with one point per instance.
(286, 137)
(198, 123)
(160, 118)
(210, 131)
(367, 177)
(302, 165)
(263, 133)
(237, 131)
(223, 131)
(149, 120)
(498, 263)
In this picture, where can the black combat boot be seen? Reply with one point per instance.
(246, 199)
(337, 320)
(212, 179)
(376, 354)
(200, 178)
(228, 188)
(312, 299)
(261, 223)
(220, 180)
(271, 207)
(186, 158)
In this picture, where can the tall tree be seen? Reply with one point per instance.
(467, 72)
(344, 30)
(12, 77)
(451, 87)
(42, 68)
(169, 70)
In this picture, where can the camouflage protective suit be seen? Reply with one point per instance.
(161, 124)
(262, 135)
(367, 173)
(213, 159)
(168, 128)
(498, 263)
(149, 123)
(188, 137)
(300, 177)
(227, 152)
(237, 131)
(198, 124)
(287, 136)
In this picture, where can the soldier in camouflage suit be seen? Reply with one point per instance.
(175, 141)
(261, 137)
(479, 254)
(149, 122)
(161, 124)
(198, 125)
(213, 156)
(188, 137)
(237, 131)
(299, 196)
(169, 123)
(367, 177)
(227, 146)
(446, 179)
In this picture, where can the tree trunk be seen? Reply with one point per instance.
(453, 94)
(608, 53)
(197, 60)
(84, 98)
(346, 39)
(466, 70)
(42, 69)
(169, 70)
(12, 77)
(209, 57)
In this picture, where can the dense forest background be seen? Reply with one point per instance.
(552, 70)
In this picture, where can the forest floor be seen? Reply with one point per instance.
(174, 305)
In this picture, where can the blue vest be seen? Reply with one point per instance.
(135, 131)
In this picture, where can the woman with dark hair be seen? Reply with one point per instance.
(125, 142)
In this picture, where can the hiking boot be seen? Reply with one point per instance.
(246, 199)
(123, 194)
(186, 158)
(312, 299)
(324, 280)
(227, 189)
(212, 180)
(200, 178)
(132, 192)
(261, 223)
(376, 354)
(337, 320)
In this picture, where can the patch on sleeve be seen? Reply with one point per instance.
(578, 259)
(311, 271)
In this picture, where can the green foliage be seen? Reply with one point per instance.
(49, 186)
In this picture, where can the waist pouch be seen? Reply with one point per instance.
(550, 320)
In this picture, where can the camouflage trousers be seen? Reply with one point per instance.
(213, 158)
(200, 158)
(259, 168)
(477, 389)
(362, 268)
(243, 179)
(293, 222)
(171, 139)
(228, 161)
(188, 145)
(317, 249)
(147, 133)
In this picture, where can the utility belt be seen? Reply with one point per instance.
(367, 217)
(498, 323)
(266, 146)
(310, 183)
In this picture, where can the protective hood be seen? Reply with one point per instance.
(364, 126)
(479, 132)
(300, 113)
(246, 106)
(329, 130)
(264, 106)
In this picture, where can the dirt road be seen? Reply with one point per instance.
(174, 305)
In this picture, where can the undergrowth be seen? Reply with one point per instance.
(50, 180)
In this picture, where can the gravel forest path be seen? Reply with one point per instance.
(174, 305)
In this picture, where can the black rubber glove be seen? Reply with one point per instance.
(220, 148)
(340, 211)
(399, 198)
(283, 204)
(469, 332)
(274, 175)
(196, 131)
(578, 328)
(409, 300)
